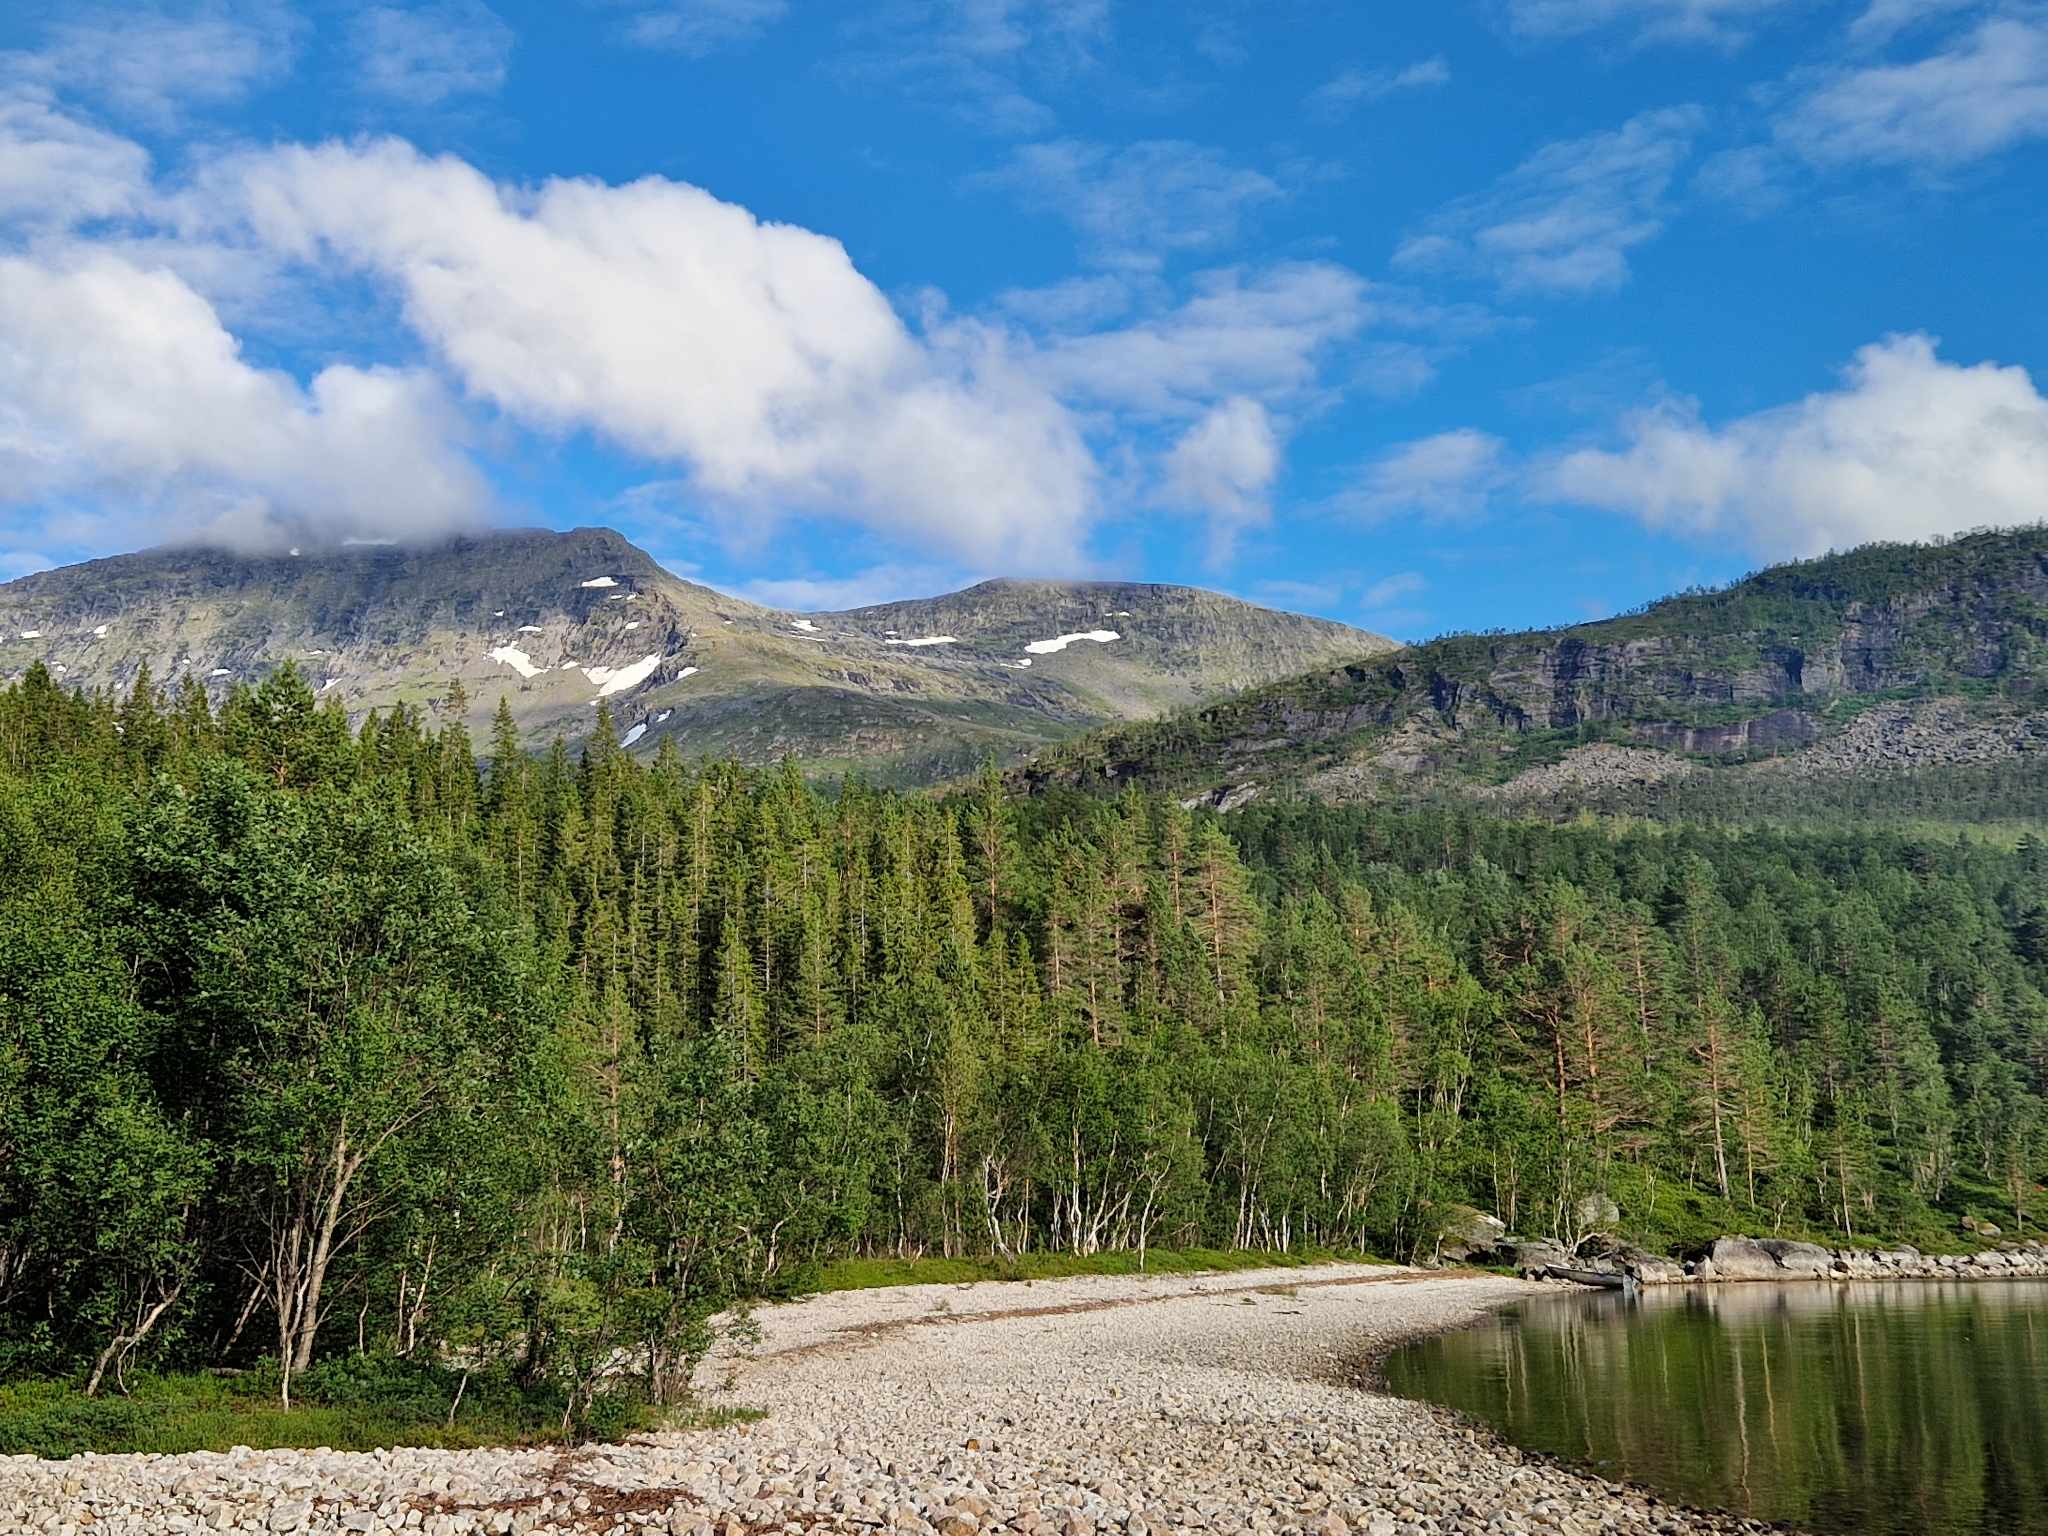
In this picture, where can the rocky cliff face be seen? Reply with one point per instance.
(1775, 665)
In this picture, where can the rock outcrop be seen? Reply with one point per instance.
(1738, 1259)
(1783, 666)
(1747, 1260)
(1464, 1233)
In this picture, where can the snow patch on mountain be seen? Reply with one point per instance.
(517, 660)
(612, 680)
(1061, 642)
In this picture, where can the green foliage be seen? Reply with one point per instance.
(361, 1403)
(1796, 652)
(337, 1060)
(869, 1274)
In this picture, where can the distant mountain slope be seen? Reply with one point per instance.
(557, 622)
(1886, 659)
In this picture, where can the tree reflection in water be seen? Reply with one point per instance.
(1897, 1407)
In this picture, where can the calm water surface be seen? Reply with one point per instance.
(1894, 1407)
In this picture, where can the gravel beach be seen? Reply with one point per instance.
(1082, 1407)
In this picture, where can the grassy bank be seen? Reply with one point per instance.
(351, 1404)
(866, 1274)
(361, 1403)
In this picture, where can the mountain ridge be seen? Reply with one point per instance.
(1776, 666)
(559, 622)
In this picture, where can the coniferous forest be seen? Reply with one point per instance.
(321, 1042)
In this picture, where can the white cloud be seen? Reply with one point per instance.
(56, 170)
(118, 386)
(1283, 593)
(1221, 42)
(1452, 474)
(682, 328)
(1984, 91)
(1074, 303)
(1262, 333)
(1907, 447)
(1334, 100)
(1224, 466)
(857, 589)
(1389, 590)
(988, 61)
(1885, 19)
(423, 54)
(750, 362)
(1710, 21)
(160, 62)
(1751, 178)
(22, 562)
(1566, 219)
(701, 27)
(1134, 204)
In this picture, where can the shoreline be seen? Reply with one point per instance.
(1233, 1405)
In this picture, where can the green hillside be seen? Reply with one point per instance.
(1886, 662)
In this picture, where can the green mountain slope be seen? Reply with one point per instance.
(558, 622)
(1887, 660)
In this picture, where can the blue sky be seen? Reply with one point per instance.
(1421, 317)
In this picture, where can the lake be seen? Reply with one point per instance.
(1886, 1407)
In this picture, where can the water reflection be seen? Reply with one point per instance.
(1889, 1407)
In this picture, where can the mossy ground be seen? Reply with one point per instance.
(865, 1274)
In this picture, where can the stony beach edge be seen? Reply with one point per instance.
(1235, 1405)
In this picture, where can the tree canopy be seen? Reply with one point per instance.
(318, 1039)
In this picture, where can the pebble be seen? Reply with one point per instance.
(1105, 1406)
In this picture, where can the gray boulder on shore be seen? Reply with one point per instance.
(1764, 1258)
(1531, 1257)
(1472, 1236)
(1465, 1233)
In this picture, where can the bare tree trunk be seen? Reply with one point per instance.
(345, 1165)
(124, 1344)
(248, 1309)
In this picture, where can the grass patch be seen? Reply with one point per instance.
(352, 1404)
(866, 1274)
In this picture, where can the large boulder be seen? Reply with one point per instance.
(1464, 1233)
(1739, 1258)
(1596, 1212)
(1649, 1268)
(1531, 1256)
(1766, 1258)
(1805, 1261)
